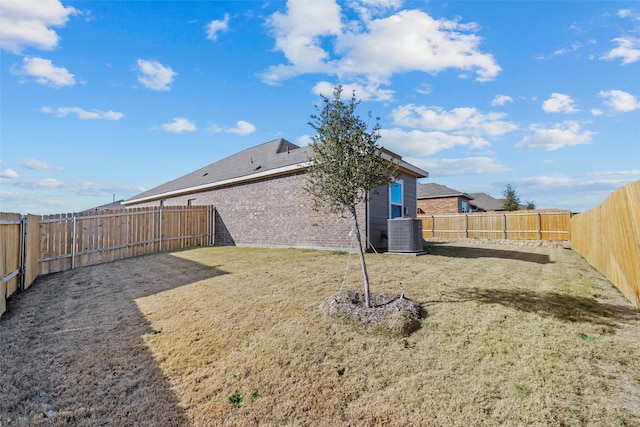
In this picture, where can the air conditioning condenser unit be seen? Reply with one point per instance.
(405, 234)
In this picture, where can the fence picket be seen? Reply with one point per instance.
(526, 225)
(608, 237)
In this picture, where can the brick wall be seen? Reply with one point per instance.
(443, 205)
(271, 212)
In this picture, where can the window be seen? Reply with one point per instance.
(464, 206)
(192, 202)
(396, 199)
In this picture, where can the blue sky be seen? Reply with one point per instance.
(104, 98)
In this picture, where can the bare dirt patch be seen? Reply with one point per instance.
(391, 313)
(233, 336)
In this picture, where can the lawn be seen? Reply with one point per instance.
(514, 335)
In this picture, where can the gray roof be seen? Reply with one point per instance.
(265, 157)
(433, 191)
(486, 202)
(109, 206)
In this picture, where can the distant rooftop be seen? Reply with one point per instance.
(433, 190)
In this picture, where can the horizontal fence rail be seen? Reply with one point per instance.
(76, 240)
(518, 225)
(31, 245)
(608, 237)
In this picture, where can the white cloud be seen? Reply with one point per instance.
(574, 46)
(298, 35)
(82, 188)
(371, 92)
(416, 143)
(601, 182)
(624, 13)
(36, 164)
(216, 26)
(39, 183)
(44, 72)
(463, 166)
(464, 120)
(626, 174)
(303, 140)
(9, 174)
(366, 9)
(424, 89)
(628, 50)
(213, 128)
(179, 125)
(28, 23)
(155, 76)
(242, 128)
(316, 38)
(559, 103)
(411, 40)
(576, 193)
(501, 100)
(561, 135)
(619, 100)
(83, 114)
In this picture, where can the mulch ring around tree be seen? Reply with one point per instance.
(390, 313)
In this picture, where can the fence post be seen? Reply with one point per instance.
(433, 226)
(504, 226)
(539, 226)
(210, 224)
(160, 229)
(73, 242)
(23, 248)
(466, 225)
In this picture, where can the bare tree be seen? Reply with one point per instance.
(347, 165)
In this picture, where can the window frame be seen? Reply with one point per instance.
(393, 203)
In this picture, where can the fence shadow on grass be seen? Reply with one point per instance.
(450, 251)
(567, 308)
(74, 347)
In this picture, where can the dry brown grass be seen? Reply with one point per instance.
(514, 336)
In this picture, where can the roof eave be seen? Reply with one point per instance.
(404, 166)
(209, 186)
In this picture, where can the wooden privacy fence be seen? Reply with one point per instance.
(518, 225)
(608, 237)
(31, 245)
(18, 254)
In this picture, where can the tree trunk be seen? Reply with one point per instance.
(365, 276)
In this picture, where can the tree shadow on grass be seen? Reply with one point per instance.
(74, 348)
(483, 252)
(567, 308)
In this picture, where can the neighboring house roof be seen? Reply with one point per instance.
(108, 206)
(269, 159)
(436, 191)
(487, 203)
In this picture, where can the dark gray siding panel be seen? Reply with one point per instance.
(410, 197)
(378, 214)
(379, 210)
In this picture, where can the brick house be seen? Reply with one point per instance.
(259, 200)
(438, 199)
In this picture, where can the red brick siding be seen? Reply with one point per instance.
(443, 205)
